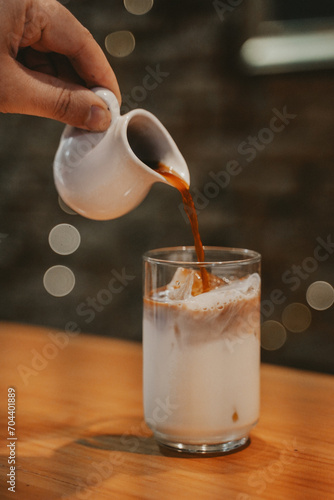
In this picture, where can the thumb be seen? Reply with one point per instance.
(29, 92)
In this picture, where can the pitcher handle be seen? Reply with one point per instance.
(109, 98)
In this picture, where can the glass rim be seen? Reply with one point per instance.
(156, 256)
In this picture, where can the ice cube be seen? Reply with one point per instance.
(247, 286)
(181, 285)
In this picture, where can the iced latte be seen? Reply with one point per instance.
(201, 347)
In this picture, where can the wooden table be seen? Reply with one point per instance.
(80, 430)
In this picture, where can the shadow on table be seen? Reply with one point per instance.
(124, 443)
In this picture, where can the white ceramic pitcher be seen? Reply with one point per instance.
(103, 175)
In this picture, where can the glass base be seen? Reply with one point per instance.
(203, 449)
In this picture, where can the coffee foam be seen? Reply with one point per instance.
(231, 292)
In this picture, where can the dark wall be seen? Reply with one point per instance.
(280, 202)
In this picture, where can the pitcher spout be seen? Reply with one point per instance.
(151, 144)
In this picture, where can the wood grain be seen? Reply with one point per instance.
(81, 434)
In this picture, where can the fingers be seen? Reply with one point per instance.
(62, 33)
(34, 93)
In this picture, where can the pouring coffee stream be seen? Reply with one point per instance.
(189, 207)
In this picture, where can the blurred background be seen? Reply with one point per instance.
(246, 89)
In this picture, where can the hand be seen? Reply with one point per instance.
(48, 62)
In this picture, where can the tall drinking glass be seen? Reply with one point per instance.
(201, 348)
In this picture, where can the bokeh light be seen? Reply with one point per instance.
(59, 281)
(120, 43)
(296, 317)
(273, 335)
(64, 239)
(320, 295)
(138, 7)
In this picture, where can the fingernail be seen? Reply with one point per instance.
(98, 119)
